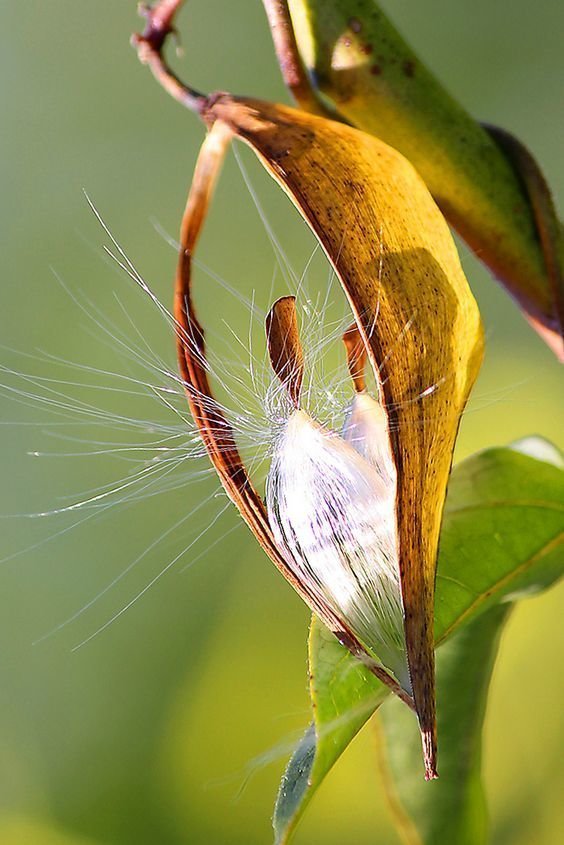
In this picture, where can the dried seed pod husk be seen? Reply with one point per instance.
(216, 431)
(399, 268)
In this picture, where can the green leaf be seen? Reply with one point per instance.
(343, 695)
(453, 808)
(502, 538)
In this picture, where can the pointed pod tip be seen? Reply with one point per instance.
(429, 742)
(284, 346)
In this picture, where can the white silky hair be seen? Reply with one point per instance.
(332, 512)
(366, 429)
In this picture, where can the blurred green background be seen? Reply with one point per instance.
(173, 724)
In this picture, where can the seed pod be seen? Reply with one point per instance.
(414, 310)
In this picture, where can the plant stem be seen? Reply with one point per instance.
(293, 69)
(149, 47)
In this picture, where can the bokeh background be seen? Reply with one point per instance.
(173, 724)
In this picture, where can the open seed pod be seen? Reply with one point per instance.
(400, 271)
(416, 319)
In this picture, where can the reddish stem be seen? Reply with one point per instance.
(149, 45)
(293, 69)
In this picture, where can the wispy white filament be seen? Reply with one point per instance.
(331, 507)
(366, 429)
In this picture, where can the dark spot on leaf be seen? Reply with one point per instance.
(355, 25)
(408, 68)
(367, 49)
(375, 70)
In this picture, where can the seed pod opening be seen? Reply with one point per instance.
(332, 512)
